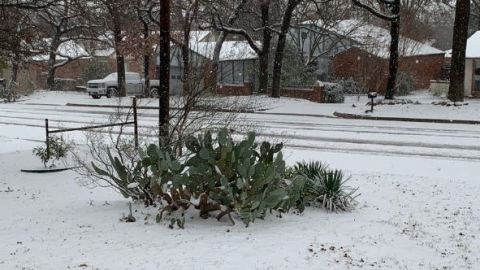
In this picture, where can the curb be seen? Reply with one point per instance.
(403, 119)
(154, 108)
(261, 111)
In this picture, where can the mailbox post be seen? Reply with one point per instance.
(372, 96)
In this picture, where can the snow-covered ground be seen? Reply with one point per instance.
(353, 104)
(418, 209)
(425, 108)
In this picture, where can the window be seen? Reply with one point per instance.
(238, 72)
(132, 76)
(477, 72)
(227, 72)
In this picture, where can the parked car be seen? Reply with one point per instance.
(108, 86)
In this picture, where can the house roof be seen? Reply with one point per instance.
(376, 40)
(107, 52)
(231, 50)
(473, 47)
(68, 49)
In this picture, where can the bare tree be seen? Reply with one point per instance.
(232, 18)
(28, 4)
(456, 91)
(17, 39)
(282, 39)
(249, 31)
(116, 15)
(475, 15)
(388, 10)
(143, 8)
(62, 25)
(186, 16)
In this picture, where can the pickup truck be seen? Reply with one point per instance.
(108, 86)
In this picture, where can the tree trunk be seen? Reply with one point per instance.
(51, 72)
(121, 81)
(216, 59)
(14, 75)
(117, 32)
(263, 60)
(279, 53)
(146, 61)
(219, 43)
(264, 54)
(394, 43)
(186, 56)
(456, 92)
(164, 70)
(15, 69)
(51, 64)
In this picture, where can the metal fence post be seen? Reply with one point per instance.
(135, 121)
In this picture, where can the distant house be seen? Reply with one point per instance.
(237, 60)
(71, 58)
(472, 65)
(352, 49)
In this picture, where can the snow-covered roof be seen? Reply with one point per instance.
(68, 49)
(473, 47)
(103, 52)
(231, 50)
(376, 40)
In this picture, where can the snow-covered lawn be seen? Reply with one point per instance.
(422, 218)
(418, 209)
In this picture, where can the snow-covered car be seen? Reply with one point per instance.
(108, 86)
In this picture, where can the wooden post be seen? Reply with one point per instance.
(135, 121)
(46, 139)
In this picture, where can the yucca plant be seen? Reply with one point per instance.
(310, 169)
(334, 193)
(324, 187)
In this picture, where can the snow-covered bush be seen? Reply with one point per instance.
(405, 84)
(113, 161)
(351, 87)
(57, 149)
(219, 177)
(333, 92)
(226, 177)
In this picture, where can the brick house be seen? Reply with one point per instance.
(372, 70)
(354, 49)
(72, 73)
(472, 65)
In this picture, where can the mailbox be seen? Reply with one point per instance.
(372, 96)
